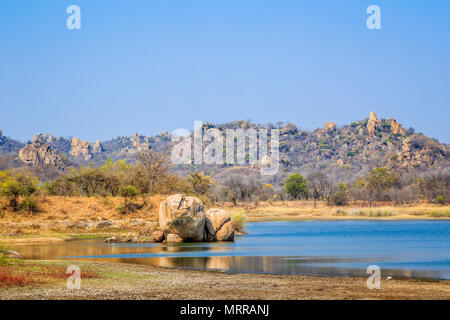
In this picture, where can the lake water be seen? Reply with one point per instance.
(418, 249)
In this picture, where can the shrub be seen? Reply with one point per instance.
(16, 184)
(129, 207)
(435, 187)
(296, 186)
(3, 259)
(28, 205)
(340, 197)
(339, 213)
(440, 199)
(200, 183)
(379, 181)
(60, 187)
(128, 191)
(238, 219)
(437, 214)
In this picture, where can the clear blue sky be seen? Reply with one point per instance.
(150, 65)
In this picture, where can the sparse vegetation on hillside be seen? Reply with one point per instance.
(369, 160)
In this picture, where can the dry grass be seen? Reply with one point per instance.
(85, 208)
(26, 273)
(303, 210)
(60, 217)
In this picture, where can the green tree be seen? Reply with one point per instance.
(128, 192)
(296, 186)
(379, 182)
(382, 179)
(17, 184)
(340, 197)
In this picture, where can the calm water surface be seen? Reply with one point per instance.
(419, 249)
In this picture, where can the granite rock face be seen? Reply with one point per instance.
(182, 215)
(330, 126)
(218, 226)
(84, 150)
(40, 154)
(372, 124)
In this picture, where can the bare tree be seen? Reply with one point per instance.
(319, 186)
(155, 168)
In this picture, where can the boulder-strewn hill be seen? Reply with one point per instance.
(8, 145)
(345, 152)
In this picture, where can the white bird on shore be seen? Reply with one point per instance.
(389, 278)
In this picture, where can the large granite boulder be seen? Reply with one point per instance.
(218, 226)
(182, 215)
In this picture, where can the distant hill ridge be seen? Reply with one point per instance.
(346, 150)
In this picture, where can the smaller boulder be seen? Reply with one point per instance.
(173, 238)
(104, 224)
(158, 236)
(111, 240)
(219, 226)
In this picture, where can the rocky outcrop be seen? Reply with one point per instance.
(289, 128)
(43, 138)
(140, 142)
(158, 236)
(84, 150)
(8, 145)
(372, 124)
(182, 215)
(396, 127)
(97, 147)
(330, 126)
(218, 226)
(415, 155)
(173, 238)
(40, 154)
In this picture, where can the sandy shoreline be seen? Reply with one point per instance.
(133, 281)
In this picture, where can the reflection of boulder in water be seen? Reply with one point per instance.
(165, 262)
(222, 263)
(172, 248)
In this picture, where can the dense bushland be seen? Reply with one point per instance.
(151, 174)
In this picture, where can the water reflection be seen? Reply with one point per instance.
(401, 249)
